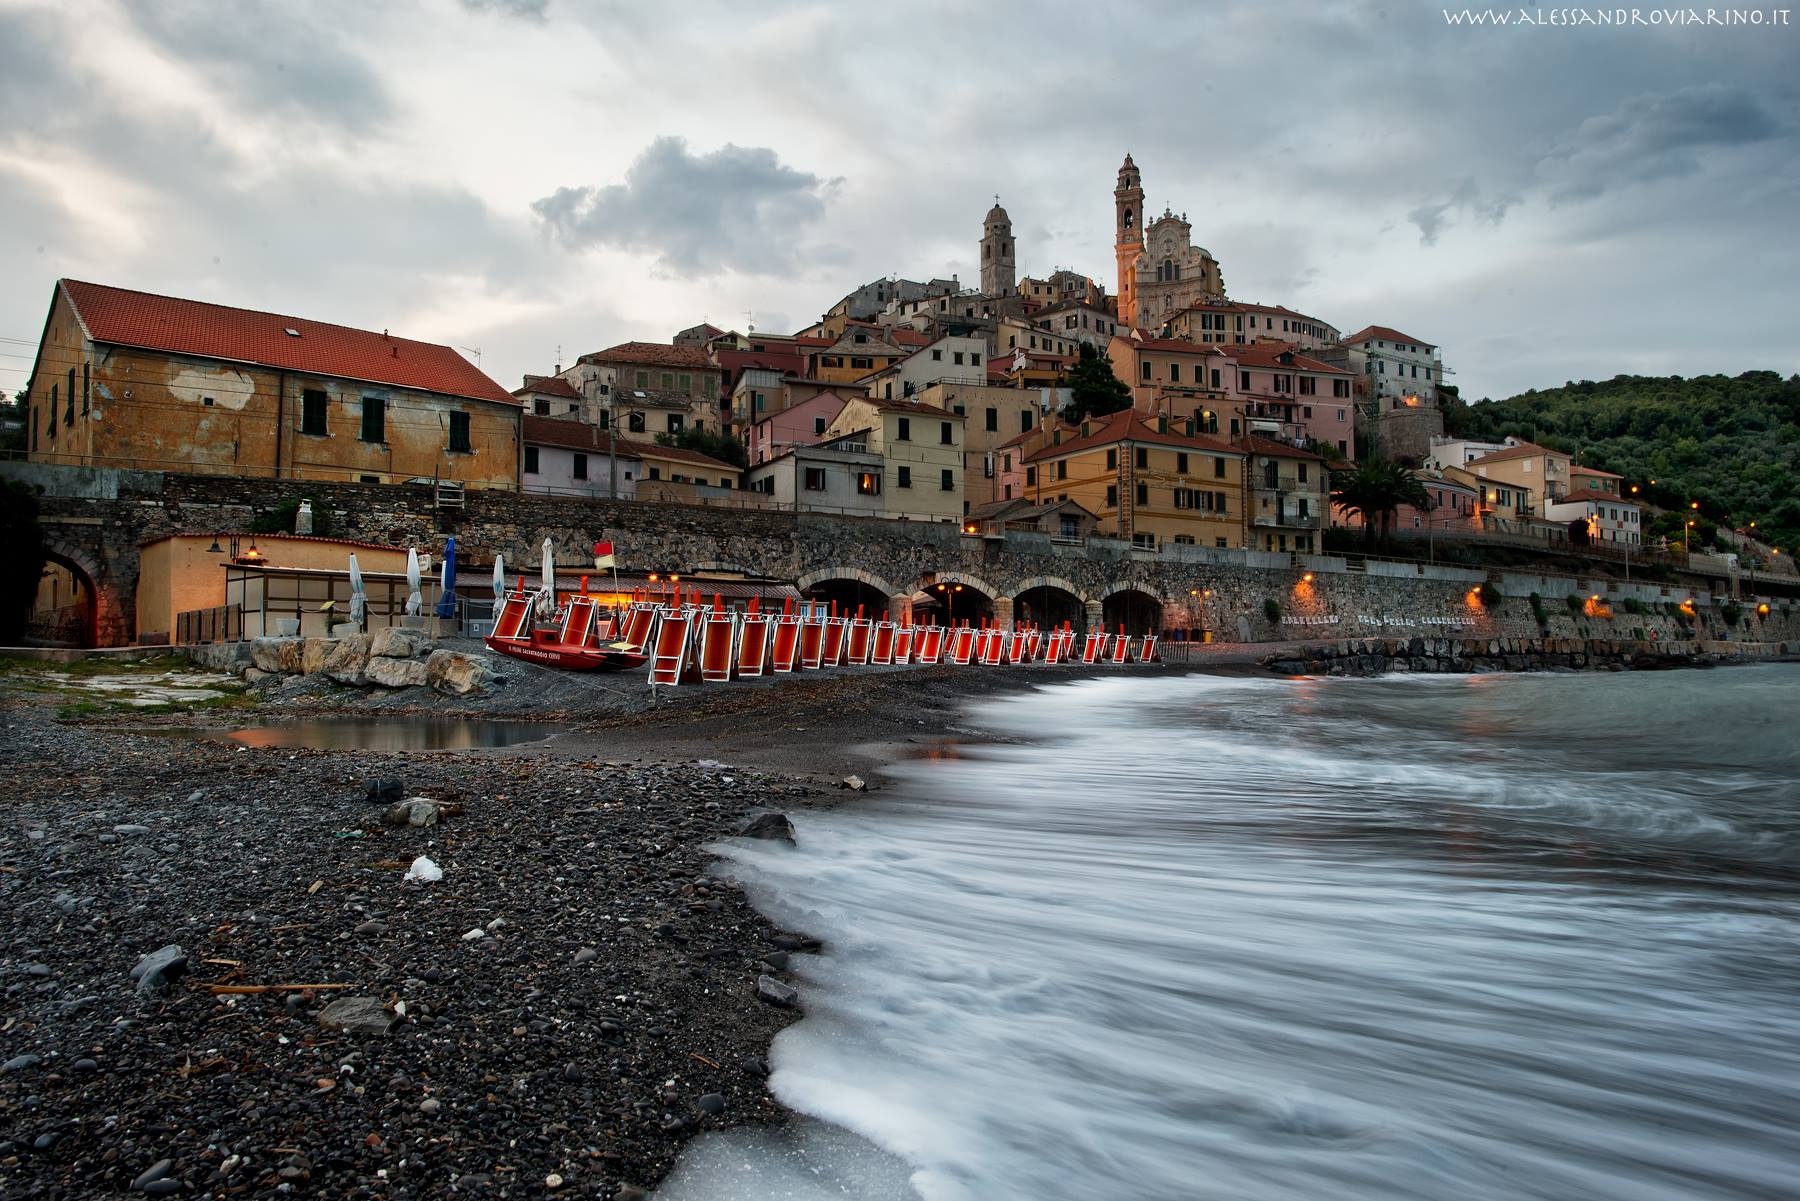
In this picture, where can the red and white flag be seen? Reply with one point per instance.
(603, 555)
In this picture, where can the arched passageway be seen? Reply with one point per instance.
(1138, 611)
(63, 611)
(849, 595)
(1049, 606)
(949, 601)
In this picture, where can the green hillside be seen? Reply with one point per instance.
(1731, 444)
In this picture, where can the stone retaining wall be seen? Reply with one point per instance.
(1375, 656)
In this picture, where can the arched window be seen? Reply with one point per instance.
(1177, 274)
(1128, 219)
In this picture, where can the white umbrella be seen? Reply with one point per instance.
(359, 600)
(500, 577)
(415, 603)
(547, 599)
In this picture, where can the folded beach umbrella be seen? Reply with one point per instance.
(446, 606)
(359, 600)
(414, 602)
(499, 577)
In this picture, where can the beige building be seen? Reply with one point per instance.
(994, 416)
(1288, 494)
(135, 380)
(649, 388)
(921, 449)
(1149, 482)
(1538, 469)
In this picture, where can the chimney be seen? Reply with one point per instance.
(558, 370)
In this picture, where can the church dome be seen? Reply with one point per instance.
(998, 214)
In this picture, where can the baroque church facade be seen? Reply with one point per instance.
(1160, 270)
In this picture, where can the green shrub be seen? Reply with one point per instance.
(1574, 602)
(1272, 611)
(1635, 607)
(1537, 608)
(1489, 596)
(1732, 614)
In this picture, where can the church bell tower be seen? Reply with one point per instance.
(997, 266)
(1128, 244)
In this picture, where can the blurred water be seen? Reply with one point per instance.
(1433, 938)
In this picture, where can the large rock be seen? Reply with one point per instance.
(357, 1015)
(313, 653)
(397, 642)
(348, 661)
(395, 673)
(457, 674)
(276, 654)
(157, 972)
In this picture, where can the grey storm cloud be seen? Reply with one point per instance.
(1653, 137)
(279, 58)
(738, 208)
(529, 10)
(1465, 198)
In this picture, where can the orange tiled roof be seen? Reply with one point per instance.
(1251, 444)
(548, 385)
(122, 317)
(576, 435)
(653, 354)
(1524, 450)
(1386, 334)
(1128, 426)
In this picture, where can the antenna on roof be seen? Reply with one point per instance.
(476, 351)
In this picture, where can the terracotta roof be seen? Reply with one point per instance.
(577, 435)
(548, 385)
(1174, 345)
(1268, 354)
(1582, 496)
(1578, 469)
(1386, 334)
(121, 317)
(1524, 450)
(913, 406)
(653, 354)
(735, 362)
(1128, 426)
(1251, 444)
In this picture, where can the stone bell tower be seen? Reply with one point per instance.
(1128, 243)
(997, 267)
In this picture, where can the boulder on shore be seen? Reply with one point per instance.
(277, 654)
(399, 642)
(395, 673)
(349, 660)
(457, 674)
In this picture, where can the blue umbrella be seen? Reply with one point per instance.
(446, 606)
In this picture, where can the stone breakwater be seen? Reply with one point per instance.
(390, 658)
(1375, 656)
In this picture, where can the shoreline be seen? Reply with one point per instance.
(592, 841)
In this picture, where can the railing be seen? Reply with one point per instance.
(222, 623)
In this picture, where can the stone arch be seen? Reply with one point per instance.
(952, 576)
(106, 622)
(1137, 607)
(958, 607)
(845, 573)
(1049, 581)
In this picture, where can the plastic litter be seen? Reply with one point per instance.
(424, 871)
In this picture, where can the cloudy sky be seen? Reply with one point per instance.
(535, 177)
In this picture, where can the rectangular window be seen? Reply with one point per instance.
(531, 460)
(815, 479)
(946, 435)
(1305, 508)
(50, 425)
(1143, 459)
(668, 381)
(993, 419)
(1112, 459)
(974, 358)
(1181, 464)
(1303, 476)
(1031, 476)
(643, 379)
(542, 408)
(84, 389)
(1025, 421)
(1215, 377)
(948, 481)
(1309, 386)
(904, 433)
(1062, 469)
(1221, 543)
(818, 426)
(1143, 494)
(603, 419)
(674, 423)
(1306, 410)
(634, 422)
(957, 358)
(1243, 381)
(69, 412)
(312, 412)
(459, 432)
(1174, 373)
(868, 483)
(685, 385)
(904, 477)
(374, 419)
(1146, 371)
(579, 470)
(1112, 496)
(1219, 464)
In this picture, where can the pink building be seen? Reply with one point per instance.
(802, 425)
(1454, 504)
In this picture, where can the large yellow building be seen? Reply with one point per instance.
(1149, 481)
(134, 380)
(921, 450)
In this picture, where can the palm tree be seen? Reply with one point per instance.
(1374, 490)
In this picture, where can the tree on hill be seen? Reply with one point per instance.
(721, 446)
(1731, 443)
(1374, 490)
(1094, 391)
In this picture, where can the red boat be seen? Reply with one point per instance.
(584, 641)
